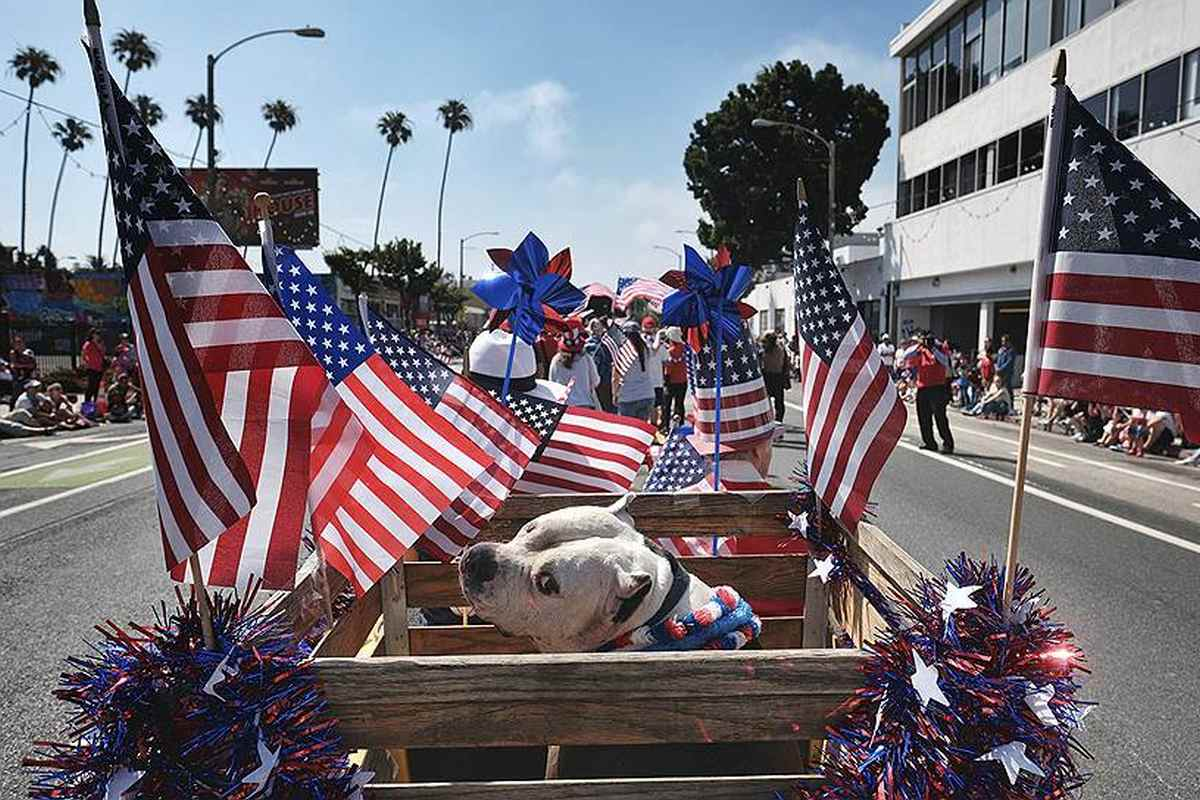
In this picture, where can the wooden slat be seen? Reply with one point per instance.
(393, 599)
(869, 543)
(432, 584)
(727, 513)
(754, 787)
(779, 633)
(609, 698)
(353, 627)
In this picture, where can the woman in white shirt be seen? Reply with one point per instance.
(656, 351)
(575, 368)
(636, 395)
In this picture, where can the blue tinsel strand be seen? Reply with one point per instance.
(140, 705)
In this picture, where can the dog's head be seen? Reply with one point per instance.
(571, 579)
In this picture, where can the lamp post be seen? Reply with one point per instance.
(461, 248)
(830, 145)
(211, 176)
(672, 251)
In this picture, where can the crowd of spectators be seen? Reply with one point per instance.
(111, 393)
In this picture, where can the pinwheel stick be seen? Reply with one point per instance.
(717, 432)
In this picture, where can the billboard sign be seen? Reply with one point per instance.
(296, 221)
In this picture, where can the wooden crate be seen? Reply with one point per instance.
(394, 687)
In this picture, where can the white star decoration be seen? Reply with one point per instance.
(798, 522)
(267, 759)
(957, 598)
(1038, 700)
(925, 681)
(219, 675)
(120, 782)
(824, 566)
(1012, 757)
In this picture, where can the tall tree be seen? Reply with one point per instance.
(72, 135)
(149, 110)
(745, 177)
(394, 128)
(403, 268)
(456, 117)
(35, 67)
(351, 267)
(196, 109)
(133, 49)
(280, 117)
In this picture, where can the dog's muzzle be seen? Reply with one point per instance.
(478, 566)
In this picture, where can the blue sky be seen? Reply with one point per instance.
(582, 109)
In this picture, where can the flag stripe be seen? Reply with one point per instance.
(1124, 367)
(1184, 347)
(1143, 394)
(1126, 265)
(1140, 292)
(1151, 319)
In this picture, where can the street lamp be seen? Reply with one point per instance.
(829, 144)
(463, 241)
(211, 177)
(672, 251)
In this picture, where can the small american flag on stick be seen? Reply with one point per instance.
(651, 289)
(852, 413)
(497, 430)
(1115, 316)
(620, 349)
(229, 386)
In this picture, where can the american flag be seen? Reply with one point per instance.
(680, 468)
(630, 289)
(746, 413)
(852, 413)
(498, 431)
(587, 451)
(228, 384)
(385, 465)
(620, 349)
(1116, 313)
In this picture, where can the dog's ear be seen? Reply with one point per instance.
(632, 589)
(617, 509)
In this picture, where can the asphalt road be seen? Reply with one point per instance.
(1115, 542)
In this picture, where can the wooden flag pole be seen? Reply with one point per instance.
(201, 594)
(1054, 143)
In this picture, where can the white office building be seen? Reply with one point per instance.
(975, 94)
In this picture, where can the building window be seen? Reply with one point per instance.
(1094, 9)
(1097, 106)
(933, 187)
(1125, 108)
(1014, 33)
(1037, 37)
(966, 174)
(904, 201)
(391, 310)
(950, 180)
(985, 166)
(1065, 18)
(908, 105)
(1007, 158)
(922, 86)
(993, 39)
(918, 193)
(1162, 90)
(780, 318)
(1190, 102)
(1033, 141)
(937, 74)
(973, 50)
(762, 321)
(954, 60)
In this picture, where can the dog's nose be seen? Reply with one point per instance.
(478, 565)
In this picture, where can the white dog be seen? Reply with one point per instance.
(576, 578)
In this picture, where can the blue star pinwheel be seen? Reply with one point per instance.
(707, 304)
(533, 288)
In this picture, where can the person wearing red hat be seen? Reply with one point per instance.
(656, 352)
(573, 367)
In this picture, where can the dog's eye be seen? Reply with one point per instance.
(546, 584)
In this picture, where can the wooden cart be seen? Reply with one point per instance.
(393, 687)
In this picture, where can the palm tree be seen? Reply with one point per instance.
(281, 117)
(133, 49)
(196, 109)
(455, 117)
(394, 127)
(35, 67)
(72, 135)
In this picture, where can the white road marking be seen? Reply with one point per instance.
(1191, 487)
(1104, 516)
(94, 438)
(41, 501)
(67, 459)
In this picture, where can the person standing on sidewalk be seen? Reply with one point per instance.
(93, 358)
(887, 354)
(933, 368)
(775, 371)
(675, 377)
(1006, 361)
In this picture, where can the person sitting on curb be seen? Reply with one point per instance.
(124, 401)
(996, 401)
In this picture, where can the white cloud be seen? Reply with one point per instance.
(541, 109)
(857, 65)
